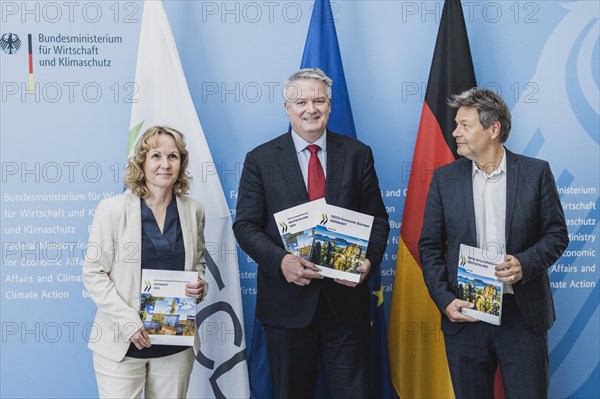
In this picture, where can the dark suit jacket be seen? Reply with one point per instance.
(272, 181)
(536, 234)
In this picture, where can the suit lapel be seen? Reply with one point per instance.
(335, 168)
(512, 177)
(134, 222)
(290, 168)
(185, 220)
(292, 174)
(466, 178)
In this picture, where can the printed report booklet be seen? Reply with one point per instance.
(477, 283)
(340, 242)
(297, 225)
(168, 315)
(333, 238)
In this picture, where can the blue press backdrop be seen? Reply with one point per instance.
(69, 138)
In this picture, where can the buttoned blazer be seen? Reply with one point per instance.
(272, 181)
(112, 269)
(536, 234)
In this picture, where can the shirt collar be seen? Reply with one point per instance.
(300, 144)
(501, 168)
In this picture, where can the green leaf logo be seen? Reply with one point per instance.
(133, 133)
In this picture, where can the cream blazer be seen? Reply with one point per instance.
(112, 268)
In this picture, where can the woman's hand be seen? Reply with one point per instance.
(195, 290)
(141, 339)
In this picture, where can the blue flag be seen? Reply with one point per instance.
(380, 367)
(322, 51)
(261, 385)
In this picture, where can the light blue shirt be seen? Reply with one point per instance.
(304, 154)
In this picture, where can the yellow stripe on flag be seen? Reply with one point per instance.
(415, 342)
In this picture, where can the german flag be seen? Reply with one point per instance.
(30, 59)
(416, 344)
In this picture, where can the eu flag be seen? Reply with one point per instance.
(323, 51)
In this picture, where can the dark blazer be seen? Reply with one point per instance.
(536, 234)
(272, 181)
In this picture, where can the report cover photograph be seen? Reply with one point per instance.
(297, 225)
(338, 255)
(168, 315)
(340, 242)
(478, 285)
(299, 243)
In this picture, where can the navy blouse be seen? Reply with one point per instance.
(164, 251)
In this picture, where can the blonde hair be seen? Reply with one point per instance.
(135, 180)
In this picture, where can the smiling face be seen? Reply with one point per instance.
(162, 164)
(308, 108)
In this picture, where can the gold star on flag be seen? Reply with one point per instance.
(379, 295)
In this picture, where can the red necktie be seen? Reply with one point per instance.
(316, 176)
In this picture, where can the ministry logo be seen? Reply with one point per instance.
(10, 43)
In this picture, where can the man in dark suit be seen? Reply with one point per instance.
(308, 319)
(499, 201)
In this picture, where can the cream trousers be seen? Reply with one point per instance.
(159, 378)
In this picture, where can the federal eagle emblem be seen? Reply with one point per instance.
(10, 43)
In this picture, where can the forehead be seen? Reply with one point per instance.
(464, 113)
(162, 140)
(306, 88)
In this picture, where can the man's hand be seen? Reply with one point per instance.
(509, 271)
(453, 313)
(364, 271)
(299, 271)
(141, 339)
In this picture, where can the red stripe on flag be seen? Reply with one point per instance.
(30, 63)
(431, 152)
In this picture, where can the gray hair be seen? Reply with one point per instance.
(308, 74)
(490, 106)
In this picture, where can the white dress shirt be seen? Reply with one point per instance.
(489, 200)
(304, 154)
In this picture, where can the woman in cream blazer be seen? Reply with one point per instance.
(112, 270)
